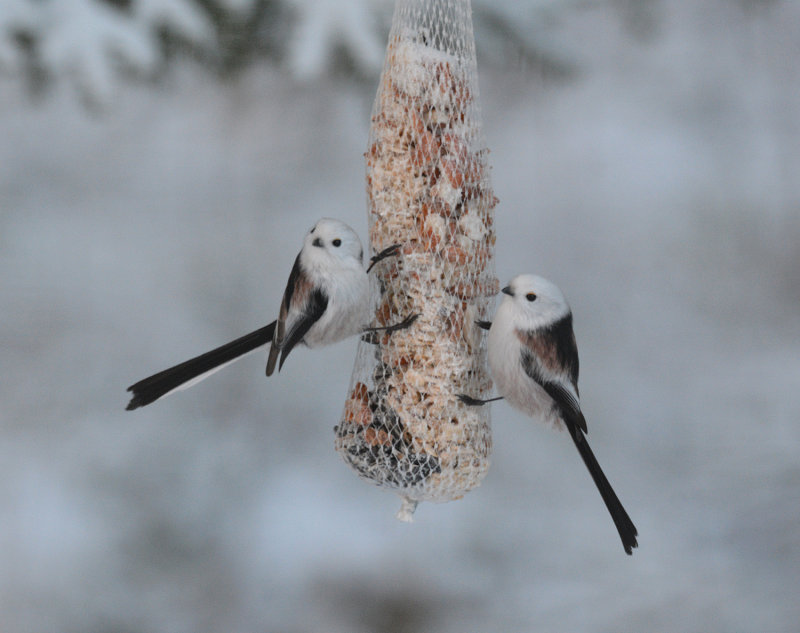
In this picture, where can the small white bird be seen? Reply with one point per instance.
(533, 358)
(327, 299)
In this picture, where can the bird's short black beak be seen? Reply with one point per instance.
(507, 291)
(317, 242)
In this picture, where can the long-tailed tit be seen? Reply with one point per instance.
(533, 359)
(327, 299)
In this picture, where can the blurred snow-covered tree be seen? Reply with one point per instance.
(93, 43)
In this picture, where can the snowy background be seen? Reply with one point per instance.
(153, 196)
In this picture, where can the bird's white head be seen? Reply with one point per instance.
(332, 241)
(535, 300)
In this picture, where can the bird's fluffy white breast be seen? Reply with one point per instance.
(505, 360)
(346, 285)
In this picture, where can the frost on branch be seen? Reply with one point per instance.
(324, 25)
(90, 41)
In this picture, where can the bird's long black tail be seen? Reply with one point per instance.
(625, 527)
(196, 369)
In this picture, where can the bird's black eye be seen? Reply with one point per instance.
(337, 242)
(530, 296)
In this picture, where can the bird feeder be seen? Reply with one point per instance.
(428, 190)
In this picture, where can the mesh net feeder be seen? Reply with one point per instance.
(428, 190)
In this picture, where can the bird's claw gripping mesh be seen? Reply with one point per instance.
(403, 427)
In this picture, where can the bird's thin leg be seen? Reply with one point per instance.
(475, 402)
(386, 252)
(371, 333)
(388, 329)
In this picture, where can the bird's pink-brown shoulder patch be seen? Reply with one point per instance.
(544, 348)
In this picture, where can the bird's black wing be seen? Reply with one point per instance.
(552, 351)
(562, 338)
(158, 385)
(315, 307)
(296, 279)
(565, 402)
